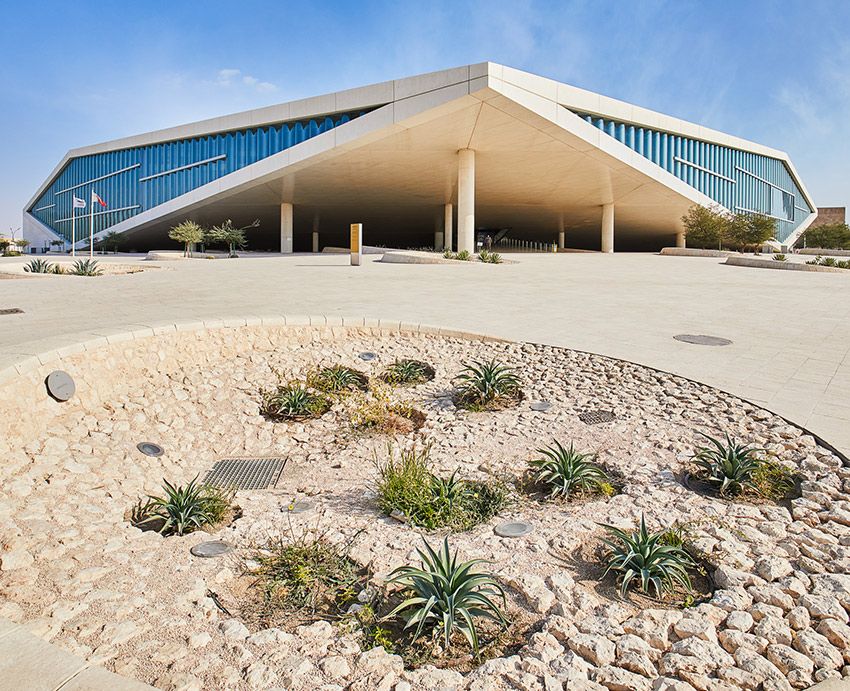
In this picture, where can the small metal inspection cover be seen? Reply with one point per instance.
(513, 529)
(246, 473)
(213, 548)
(597, 417)
(60, 385)
(150, 449)
(368, 356)
(702, 339)
(540, 406)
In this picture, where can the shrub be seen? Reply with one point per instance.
(727, 467)
(489, 257)
(773, 481)
(40, 266)
(408, 373)
(658, 564)
(828, 236)
(567, 472)
(306, 575)
(482, 383)
(407, 486)
(292, 401)
(448, 254)
(447, 597)
(704, 228)
(779, 258)
(337, 379)
(376, 411)
(463, 256)
(85, 267)
(184, 509)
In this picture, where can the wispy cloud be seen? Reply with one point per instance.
(231, 77)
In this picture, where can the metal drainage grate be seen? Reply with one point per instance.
(597, 417)
(702, 339)
(246, 473)
(12, 310)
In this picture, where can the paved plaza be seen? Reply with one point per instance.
(790, 331)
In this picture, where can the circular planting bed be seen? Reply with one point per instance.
(315, 592)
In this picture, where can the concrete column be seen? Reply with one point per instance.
(680, 240)
(607, 227)
(561, 234)
(466, 200)
(448, 227)
(316, 233)
(286, 228)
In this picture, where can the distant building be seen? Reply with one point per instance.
(830, 214)
(431, 158)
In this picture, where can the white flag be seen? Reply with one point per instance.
(79, 203)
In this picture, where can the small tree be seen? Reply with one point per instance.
(188, 233)
(828, 236)
(22, 244)
(113, 240)
(57, 243)
(234, 238)
(705, 227)
(748, 231)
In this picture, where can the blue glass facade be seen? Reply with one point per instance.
(140, 178)
(738, 180)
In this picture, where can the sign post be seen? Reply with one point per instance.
(356, 243)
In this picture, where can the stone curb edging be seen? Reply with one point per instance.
(693, 252)
(814, 251)
(787, 266)
(33, 362)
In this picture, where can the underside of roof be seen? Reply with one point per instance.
(386, 155)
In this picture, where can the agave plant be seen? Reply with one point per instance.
(450, 490)
(337, 379)
(407, 372)
(85, 267)
(39, 266)
(729, 467)
(567, 471)
(293, 400)
(482, 382)
(186, 508)
(649, 557)
(447, 596)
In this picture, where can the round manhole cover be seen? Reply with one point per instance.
(60, 385)
(150, 449)
(513, 529)
(702, 339)
(213, 548)
(298, 506)
(368, 356)
(540, 406)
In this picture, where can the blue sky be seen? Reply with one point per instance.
(777, 72)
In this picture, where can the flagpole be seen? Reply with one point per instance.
(73, 232)
(91, 227)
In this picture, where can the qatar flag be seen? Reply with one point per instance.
(97, 200)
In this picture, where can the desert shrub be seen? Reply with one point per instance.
(732, 469)
(376, 411)
(304, 577)
(408, 488)
(447, 597)
(463, 256)
(480, 384)
(828, 236)
(565, 472)
(85, 267)
(650, 560)
(337, 379)
(489, 257)
(779, 258)
(407, 373)
(39, 266)
(292, 401)
(184, 508)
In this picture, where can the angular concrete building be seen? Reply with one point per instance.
(434, 159)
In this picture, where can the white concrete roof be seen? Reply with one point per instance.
(480, 106)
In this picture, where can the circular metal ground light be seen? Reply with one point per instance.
(150, 449)
(702, 339)
(213, 548)
(540, 406)
(368, 356)
(60, 385)
(513, 529)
